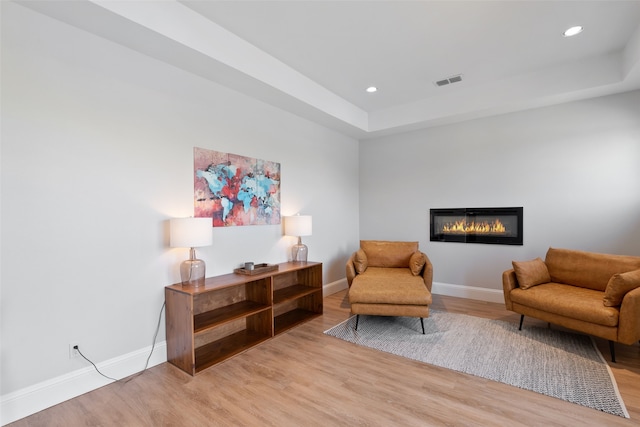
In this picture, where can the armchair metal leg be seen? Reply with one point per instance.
(422, 323)
(521, 319)
(357, 318)
(612, 349)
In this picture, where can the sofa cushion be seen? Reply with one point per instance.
(619, 285)
(360, 261)
(417, 262)
(383, 253)
(531, 273)
(389, 286)
(569, 301)
(587, 269)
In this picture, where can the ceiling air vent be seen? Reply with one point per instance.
(448, 80)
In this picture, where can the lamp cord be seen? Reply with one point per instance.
(146, 365)
(155, 336)
(94, 365)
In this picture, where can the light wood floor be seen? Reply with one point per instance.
(305, 378)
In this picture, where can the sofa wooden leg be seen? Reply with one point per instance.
(612, 349)
(521, 319)
(357, 318)
(422, 323)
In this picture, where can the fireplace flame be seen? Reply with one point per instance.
(484, 227)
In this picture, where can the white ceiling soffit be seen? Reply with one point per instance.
(316, 58)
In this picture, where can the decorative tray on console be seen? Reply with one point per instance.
(257, 269)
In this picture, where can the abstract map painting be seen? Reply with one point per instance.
(235, 190)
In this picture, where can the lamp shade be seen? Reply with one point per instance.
(297, 225)
(190, 232)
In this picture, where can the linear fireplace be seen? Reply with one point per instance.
(501, 226)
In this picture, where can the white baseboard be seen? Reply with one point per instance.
(332, 288)
(470, 292)
(35, 398)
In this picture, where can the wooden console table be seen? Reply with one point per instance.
(234, 312)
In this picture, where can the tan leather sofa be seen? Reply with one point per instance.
(597, 294)
(388, 278)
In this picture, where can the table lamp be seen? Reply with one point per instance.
(298, 225)
(191, 233)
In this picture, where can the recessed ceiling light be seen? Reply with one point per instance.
(372, 89)
(573, 31)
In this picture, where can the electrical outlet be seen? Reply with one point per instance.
(73, 352)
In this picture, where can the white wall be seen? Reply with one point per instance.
(575, 168)
(97, 155)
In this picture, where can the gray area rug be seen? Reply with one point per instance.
(555, 363)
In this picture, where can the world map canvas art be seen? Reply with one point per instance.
(235, 190)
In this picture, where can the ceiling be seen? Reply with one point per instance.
(316, 58)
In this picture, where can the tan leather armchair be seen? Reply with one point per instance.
(388, 278)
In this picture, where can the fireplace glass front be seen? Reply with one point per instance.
(477, 225)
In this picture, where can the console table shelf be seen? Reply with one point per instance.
(291, 318)
(291, 293)
(217, 351)
(234, 312)
(211, 319)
